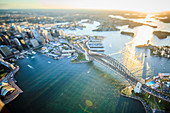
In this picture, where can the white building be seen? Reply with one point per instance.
(137, 89)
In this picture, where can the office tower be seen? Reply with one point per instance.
(5, 51)
(1, 56)
(36, 35)
(34, 42)
(5, 40)
(17, 42)
(61, 33)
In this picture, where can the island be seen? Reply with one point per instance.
(127, 33)
(161, 34)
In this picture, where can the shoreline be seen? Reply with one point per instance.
(12, 81)
(134, 99)
(80, 62)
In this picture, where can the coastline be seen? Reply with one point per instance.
(135, 99)
(12, 81)
(79, 62)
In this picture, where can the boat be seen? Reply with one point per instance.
(33, 52)
(68, 56)
(30, 66)
(33, 57)
(12, 59)
(20, 57)
(110, 45)
(49, 62)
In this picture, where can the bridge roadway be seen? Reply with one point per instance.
(117, 67)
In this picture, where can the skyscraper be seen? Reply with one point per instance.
(36, 35)
(5, 51)
(34, 42)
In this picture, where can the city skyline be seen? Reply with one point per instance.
(142, 5)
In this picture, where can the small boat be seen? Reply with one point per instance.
(29, 53)
(33, 52)
(20, 57)
(110, 45)
(33, 57)
(49, 62)
(30, 66)
(12, 59)
(68, 56)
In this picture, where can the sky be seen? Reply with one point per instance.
(134, 5)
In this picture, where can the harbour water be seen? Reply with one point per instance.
(61, 87)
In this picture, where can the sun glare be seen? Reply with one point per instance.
(135, 5)
(143, 34)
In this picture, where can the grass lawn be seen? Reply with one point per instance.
(80, 58)
(127, 91)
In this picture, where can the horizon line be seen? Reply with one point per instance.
(78, 9)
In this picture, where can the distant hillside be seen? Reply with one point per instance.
(163, 16)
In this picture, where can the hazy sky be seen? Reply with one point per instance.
(137, 5)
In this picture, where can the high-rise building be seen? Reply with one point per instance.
(1, 56)
(21, 41)
(5, 40)
(42, 40)
(36, 35)
(5, 51)
(34, 42)
(1, 41)
(29, 34)
(17, 42)
(61, 33)
(49, 36)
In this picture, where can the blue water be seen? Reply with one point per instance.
(62, 87)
